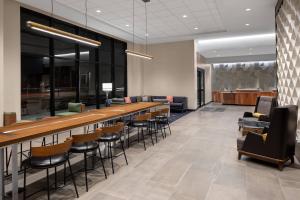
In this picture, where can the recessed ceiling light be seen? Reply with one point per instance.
(247, 24)
(127, 25)
(184, 16)
(98, 11)
(215, 51)
(248, 9)
(196, 28)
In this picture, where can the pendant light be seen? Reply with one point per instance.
(133, 52)
(63, 34)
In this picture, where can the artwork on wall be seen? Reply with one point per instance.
(230, 76)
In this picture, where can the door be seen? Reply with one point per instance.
(201, 87)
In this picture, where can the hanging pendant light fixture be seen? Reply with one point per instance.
(133, 52)
(63, 34)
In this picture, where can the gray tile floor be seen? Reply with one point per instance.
(197, 162)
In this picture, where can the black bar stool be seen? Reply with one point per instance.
(112, 134)
(163, 121)
(86, 143)
(153, 123)
(47, 157)
(141, 122)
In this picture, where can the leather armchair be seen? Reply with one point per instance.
(264, 105)
(278, 143)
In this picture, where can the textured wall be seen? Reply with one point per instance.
(244, 75)
(288, 47)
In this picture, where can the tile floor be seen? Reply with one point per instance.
(197, 162)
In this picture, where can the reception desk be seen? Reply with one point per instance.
(240, 97)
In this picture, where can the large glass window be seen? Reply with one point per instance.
(56, 71)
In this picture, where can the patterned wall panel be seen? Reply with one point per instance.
(288, 58)
(231, 76)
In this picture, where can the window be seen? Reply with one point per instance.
(56, 71)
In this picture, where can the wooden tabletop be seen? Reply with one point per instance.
(30, 130)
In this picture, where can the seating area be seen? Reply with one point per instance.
(149, 99)
(177, 104)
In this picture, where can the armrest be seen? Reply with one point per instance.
(248, 114)
(254, 143)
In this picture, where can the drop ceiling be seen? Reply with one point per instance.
(172, 20)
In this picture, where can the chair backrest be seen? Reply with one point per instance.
(155, 113)
(116, 128)
(165, 111)
(82, 138)
(143, 117)
(281, 139)
(264, 104)
(53, 150)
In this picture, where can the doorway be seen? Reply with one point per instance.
(200, 87)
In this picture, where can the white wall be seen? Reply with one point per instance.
(172, 71)
(1, 60)
(135, 72)
(10, 58)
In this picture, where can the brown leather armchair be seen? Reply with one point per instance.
(277, 143)
(264, 105)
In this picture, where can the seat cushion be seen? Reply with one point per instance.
(139, 124)
(45, 162)
(240, 142)
(74, 107)
(84, 147)
(110, 137)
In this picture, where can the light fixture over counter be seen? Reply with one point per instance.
(63, 34)
(137, 54)
(133, 52)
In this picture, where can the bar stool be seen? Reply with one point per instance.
(153, 123)
(142, 122)
(86, 143)
(47, 157)
(163, 121)
(110, 135)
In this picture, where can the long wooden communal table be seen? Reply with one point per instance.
(14, 134)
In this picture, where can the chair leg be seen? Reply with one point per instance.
(85, 172)
(123, 151)
(143, 137)
(48, 184)
(150, 132)
(111, 157)
(55, 177)
(169, 128)
(139, 134)
(73, 179)
(24, 184)
(65, 169)
(155, 131)
(128, 142)
(102, 162)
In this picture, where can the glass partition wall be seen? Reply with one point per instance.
(56, 71)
